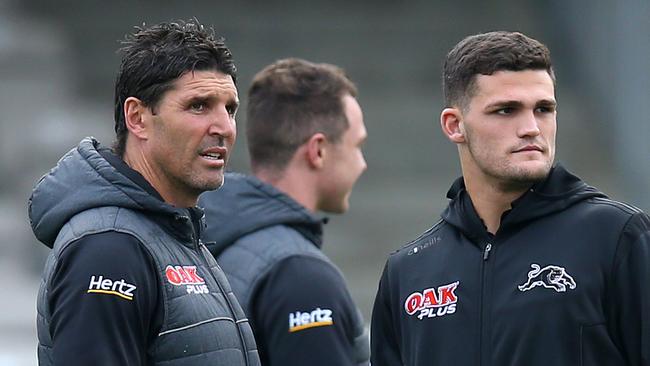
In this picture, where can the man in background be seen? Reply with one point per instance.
(529, 265)
(305, 132)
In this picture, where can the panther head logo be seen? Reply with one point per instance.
(551, 276)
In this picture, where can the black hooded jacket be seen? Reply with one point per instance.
(564, 281)
(108, 294)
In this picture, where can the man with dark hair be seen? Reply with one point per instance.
(305, 131)
(128, 282)
(529, 265)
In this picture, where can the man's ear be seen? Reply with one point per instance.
(316, 150)
(137, 116)
(451, 121)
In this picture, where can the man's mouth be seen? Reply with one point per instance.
(216, 153)
(212, 156)
(529, 148)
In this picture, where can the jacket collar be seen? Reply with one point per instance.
(560, 190)
(245, 204)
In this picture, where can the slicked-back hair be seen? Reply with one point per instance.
(154, 57)
(485, 54)
(288, 102)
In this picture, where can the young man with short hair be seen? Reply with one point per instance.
(529, 265)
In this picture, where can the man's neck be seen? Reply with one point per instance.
(295, 185)
(139, 163)
(491, 201)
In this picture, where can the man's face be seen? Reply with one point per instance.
(344, 162)
(509, 129)
(193, 132)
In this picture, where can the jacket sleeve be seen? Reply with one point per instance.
(103, 298)
(629, 318)
(384, 348)
(302, 314)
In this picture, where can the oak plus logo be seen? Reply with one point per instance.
(101, 285)
(186, 276)
(433, 302)
(318, 317)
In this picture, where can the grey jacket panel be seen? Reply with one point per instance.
(249, 260)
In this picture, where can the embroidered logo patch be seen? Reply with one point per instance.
(421, 246)
(554, 277)
(186, 276)
(433, 302)
(101, 285)
(316, 318)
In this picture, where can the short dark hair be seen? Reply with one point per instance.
(486, 54)
(154, 57)
(288, 102)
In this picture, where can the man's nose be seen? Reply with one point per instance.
(528, 125)
(222, 123)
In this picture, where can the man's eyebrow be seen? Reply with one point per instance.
(211, 96)
(547, 102)
(504, 103)
(518, 104)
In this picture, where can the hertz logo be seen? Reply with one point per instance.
(304, 320)
(101, 285)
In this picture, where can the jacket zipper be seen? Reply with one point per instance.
(486, 252)
(483, 327)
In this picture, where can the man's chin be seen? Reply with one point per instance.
(532, 177)
(335, 207)
(211, 185)
(522, 177)
(215, 186)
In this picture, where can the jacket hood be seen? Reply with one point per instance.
(82, 180)
(245, 204)
(558, 191)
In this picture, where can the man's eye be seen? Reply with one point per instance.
(232, 110)
(506, 110)
(544, 110)
(197, 107)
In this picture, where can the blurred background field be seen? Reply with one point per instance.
(58, 62)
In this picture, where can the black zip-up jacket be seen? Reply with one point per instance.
(564, 281)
